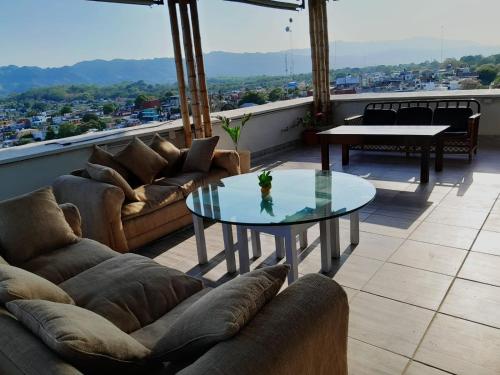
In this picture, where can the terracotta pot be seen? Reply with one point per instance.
(244, 160)
(309, 137)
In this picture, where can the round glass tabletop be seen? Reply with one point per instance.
(297, 196)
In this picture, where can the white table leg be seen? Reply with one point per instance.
(256, 247)
(243, 249)
(201, 245)
(291, 256)
(335, 237)
(355, 228)
(227, 234)
(280, 247)
(326, 246)
(303, 240)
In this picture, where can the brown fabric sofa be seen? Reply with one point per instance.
(124, 226)
(303, 330)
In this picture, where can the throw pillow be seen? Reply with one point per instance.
(3, 261)
(110, 176)
(16, 283)
(31, 225)
(220, 314)
(141, 160)
(199, 157)
(169, 152)
(81, 337)
(102, 157)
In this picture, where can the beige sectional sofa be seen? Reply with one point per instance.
(123, 225)
(302, 330)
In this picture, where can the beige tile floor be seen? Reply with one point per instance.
(424, 282)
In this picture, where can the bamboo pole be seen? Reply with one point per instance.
(326, 60)
(188, 53)
(200, 67)
(318, 19)
(314, 55)
(174, 25)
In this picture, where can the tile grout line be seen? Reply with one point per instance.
(451, 284)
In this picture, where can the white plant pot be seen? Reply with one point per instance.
(244, 160)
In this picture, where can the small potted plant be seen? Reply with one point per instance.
(234, 132)
(311, 123)
(265, 184)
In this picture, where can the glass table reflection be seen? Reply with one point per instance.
(298, 199)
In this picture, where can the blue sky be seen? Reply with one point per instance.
(61, 32)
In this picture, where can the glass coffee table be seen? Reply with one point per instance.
(299, 199)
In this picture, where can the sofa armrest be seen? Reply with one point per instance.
(100, 208)
(228, 160)
(72, 216)
(354, 120)
(473, 128)
(303, 330)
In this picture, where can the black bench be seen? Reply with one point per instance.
(462, 115)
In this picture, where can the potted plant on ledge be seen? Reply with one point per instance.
(311, 124)
(234, 132)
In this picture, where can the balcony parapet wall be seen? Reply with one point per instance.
(273, 127)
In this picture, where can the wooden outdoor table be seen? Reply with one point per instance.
(415, 135)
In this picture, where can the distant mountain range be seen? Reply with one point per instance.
(14, 79)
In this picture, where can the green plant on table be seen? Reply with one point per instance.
(265, 180)
(234, 131)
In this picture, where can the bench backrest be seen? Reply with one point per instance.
(453, 112)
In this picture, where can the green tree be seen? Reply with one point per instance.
(50, 134)
(253, 97)
(39, 107)
(67, 130)
(90, 117)
(65, 109)
(470, 84)
(109, 108)
(276, 94)
(141, 99)
(487, 73)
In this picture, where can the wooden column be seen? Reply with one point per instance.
(200, 69)
(318, 29)
(191, 68)
(174, 25)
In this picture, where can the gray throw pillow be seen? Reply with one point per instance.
(200, 154)
(141, 160)
(16, 283)
(81, 337)
(169, 152)
(110, 176)
(220, 314)
(31, 225)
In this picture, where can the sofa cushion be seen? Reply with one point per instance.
(379, 117)
(220, 314)
(199, 156)
(152, 198)
(31, 225)
(110, 176)
(131, 291)
(66, 262)
(169, 152)
(414, 116)
(102, 157)
(457, 118)
(187, 182)
(141, 160)
(16, 283)
(82, 337)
